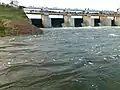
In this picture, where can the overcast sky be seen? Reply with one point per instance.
(92, 4)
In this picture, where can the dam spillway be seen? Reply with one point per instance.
(57, 22)
(65, 19)
(37, 22)
(78, 22)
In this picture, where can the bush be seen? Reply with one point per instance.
(4, 31)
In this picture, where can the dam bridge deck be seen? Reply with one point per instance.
(76, 14)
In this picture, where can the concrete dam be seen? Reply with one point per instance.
(63, 19)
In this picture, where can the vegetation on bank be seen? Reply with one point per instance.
(10, 12)
(13, 21)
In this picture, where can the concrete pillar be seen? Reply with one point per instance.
(46, 21)
(105, 21)
(117, 21)
(88, 21)
(68, 21)
(92, 22)
(102, 20)
(72, 22)
(30, 21)
(108, 22)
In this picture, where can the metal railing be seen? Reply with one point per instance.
(76, 14)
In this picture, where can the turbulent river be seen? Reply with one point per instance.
(62, 59)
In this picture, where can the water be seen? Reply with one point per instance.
(62, 59)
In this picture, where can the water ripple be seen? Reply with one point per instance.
(61, 59)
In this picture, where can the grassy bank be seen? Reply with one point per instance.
(13, 21)
(10, 12)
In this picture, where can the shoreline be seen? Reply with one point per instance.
(79, 27)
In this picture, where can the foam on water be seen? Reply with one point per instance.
(113, 35)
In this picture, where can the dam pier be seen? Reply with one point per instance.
(52, 18)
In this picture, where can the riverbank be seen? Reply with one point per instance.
(13, 21)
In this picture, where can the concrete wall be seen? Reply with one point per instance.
(105, 21)
(102, 20)
(68, 21)
(108, 22)
(30, 21)
(92, 22)
(88, 21)
(46, 21)
(117, 21)
(72, 21)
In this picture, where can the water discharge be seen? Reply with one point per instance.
(62, 59)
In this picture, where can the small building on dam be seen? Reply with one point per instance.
(48, 20)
